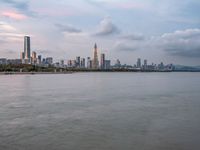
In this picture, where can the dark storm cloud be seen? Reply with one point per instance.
(67, 28)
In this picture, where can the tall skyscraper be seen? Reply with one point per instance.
(27, 47)
(78, 61)
(145, 64)
(95, 63)
(39, 59)
(89, 66)
(34, 58)
(82, 62)
(102, 61)
(138, 63)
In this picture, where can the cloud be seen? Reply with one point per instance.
(14, 15)
(9, 33)
(129, 42)
(21, 5)
(10, 51)
(133, 37)
(124, 46)
(106, 28)
(181, 43)
(67, 28)
(6, 27)
(118, 4)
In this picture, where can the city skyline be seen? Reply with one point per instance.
(166, 31)
(31, 58)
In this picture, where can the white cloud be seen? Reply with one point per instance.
(107, 27)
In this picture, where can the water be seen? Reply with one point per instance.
(100, 111)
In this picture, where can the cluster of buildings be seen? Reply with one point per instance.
(90, 63)
(26, 57)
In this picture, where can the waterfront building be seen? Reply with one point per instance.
(82, 63)
(74, 63)
(78, 61)
(27, 48)
(62, 63)
(3, 61)
(69, 63)
(39, 59)
(14, 61)
(145, 64)
(89, 63)
(102, 61)
(118, 63)
(49, 60)
(107, 64)
(34, 58)
(22, 55)
(138, 63)
(95, 62)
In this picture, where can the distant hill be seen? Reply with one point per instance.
(186, 68)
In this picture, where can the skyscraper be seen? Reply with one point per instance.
(27, 48)
(102, 61)
(95, 63)
(89, 65)
(82, 63)
(138, 63)
(39, 59)
(145, 64)
(34, 58)
(107, 64)
(22, 55)
(78, 61)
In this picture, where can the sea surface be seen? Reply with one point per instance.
(100, 111)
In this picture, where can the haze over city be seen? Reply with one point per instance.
(166, 31)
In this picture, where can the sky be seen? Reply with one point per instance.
(157, 30)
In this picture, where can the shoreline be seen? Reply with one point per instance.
(32, 73)
(70, 72)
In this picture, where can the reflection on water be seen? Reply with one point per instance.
(100, 111)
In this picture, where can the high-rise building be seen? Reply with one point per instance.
(102, 61)
(107, 64)
(34, 58)
(62, 63)
(49, 60)
(69, 63)
(34, 55)
(82, 62)
(118, 63)
(78, 61)
(39, 59)
(145, 64)
(138, 63)
(95, 62)
(27, 48)
(22, 55)
(89, 65)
